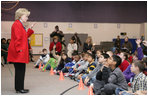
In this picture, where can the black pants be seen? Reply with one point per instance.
(19, 75)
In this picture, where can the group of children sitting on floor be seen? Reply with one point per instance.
(108, 73)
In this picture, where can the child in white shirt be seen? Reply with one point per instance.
(72, 46)
(43, 58)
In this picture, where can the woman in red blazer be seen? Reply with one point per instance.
(18, 52)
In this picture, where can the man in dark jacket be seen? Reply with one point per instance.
(58, 33)
(117, 43)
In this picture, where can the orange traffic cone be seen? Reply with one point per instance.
(81, 85)
(90, 91)
(51, 71)
(40, 66)
(61, 76)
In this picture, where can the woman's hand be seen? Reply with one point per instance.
(32, 25)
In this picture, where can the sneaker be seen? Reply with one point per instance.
(92, 85)
(66, 75)
(55, 71)
(72, 74)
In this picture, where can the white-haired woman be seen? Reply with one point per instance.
(18, 52)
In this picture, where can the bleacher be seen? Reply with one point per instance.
(105, 45)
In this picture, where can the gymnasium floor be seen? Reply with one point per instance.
(39, 83)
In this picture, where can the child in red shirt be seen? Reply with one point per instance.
(125, 63)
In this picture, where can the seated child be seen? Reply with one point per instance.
(64, 59)
(83, 65)
(139, 82)
(91, 66)
(110, 53)
(128, 74)
(78, 64)
(116, 78)
(53, 61)
(130, 58)
(72, 46)
(124, 63)
(69, 66)
(92, 76)
(102, 75)
(98, 54)
(43, 58)
(144, 60)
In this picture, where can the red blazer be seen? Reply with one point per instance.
(19, 41)
(58, 46)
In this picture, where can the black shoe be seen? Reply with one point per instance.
(26, 90)
(2, 64)
(22, 91)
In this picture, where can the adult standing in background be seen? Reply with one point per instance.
(4, 49)
(127, 45)
(18, 52)
(60, 36)
(88, 45)
(77, 40)
(117, 45)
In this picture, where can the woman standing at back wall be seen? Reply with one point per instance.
(18, 52)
